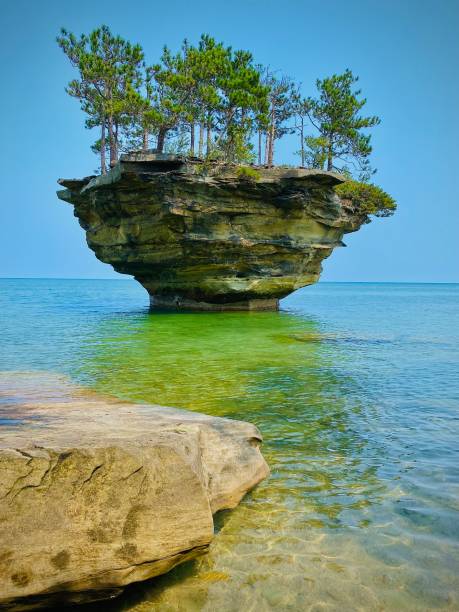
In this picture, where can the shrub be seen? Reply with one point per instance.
(367, 198)
(246, 173)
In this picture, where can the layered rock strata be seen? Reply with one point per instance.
(213, 237)
(96, 493)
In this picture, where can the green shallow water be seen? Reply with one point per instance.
(355, 389)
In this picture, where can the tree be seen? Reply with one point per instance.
(219, 89)
(335, 114)
(145, 116)
(109, 77)
(243, 103)
(216, 87)
(175, 88)
(300, 107)
(209, 63)
(280, 101)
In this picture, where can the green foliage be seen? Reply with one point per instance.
(178, 145)
(109, 70)
(235, 147)
(274, 122)
(367, 198)
(214, 86)
(335, 114)
(315, 154)
(300, 108)
(213, 98)
(246, 173)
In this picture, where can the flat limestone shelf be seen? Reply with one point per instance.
(97, 493)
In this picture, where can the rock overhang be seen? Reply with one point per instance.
(196, 234)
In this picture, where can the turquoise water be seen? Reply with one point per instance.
(355, 388)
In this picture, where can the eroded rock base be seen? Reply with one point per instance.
(176, 302)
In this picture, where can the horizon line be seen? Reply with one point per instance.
(367, 282)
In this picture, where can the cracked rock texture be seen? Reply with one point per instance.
(97, 493)
(206, 236)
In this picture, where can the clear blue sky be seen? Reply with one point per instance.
(406, 53)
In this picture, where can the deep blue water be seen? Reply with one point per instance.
(355, 388)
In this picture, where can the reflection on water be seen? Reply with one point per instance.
(355, 390)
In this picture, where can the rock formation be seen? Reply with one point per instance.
(97, 493)
(205, 236)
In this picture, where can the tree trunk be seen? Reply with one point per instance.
(111, 141)
(192, 139)
(302, 141)
(259, 146)
(116, 141)
(330, 159)
(145, 139)
(201, 140)
(271, 144)
(266, 148)
(209, 138)
(161, 139)
(271, 151)
(103, 167)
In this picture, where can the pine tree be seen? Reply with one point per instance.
(244, 103)
(281, 108)
(300, 108)
(174, 87)
(217, 89)
(109, 76)
(335, 114)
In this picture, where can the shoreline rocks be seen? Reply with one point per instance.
(97, 493)
(205, 236)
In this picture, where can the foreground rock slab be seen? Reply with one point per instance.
(97, 493)
(209, 236)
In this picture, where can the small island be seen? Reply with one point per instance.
(189, 200)
(212, 236)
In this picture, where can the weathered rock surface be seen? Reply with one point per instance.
(198, 236)
(97, 493)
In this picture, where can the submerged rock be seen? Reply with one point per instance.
(208, 236)
(97, 493)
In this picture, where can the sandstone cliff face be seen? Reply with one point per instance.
(209, 237)
(96, 493)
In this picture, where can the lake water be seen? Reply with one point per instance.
(355, 388)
